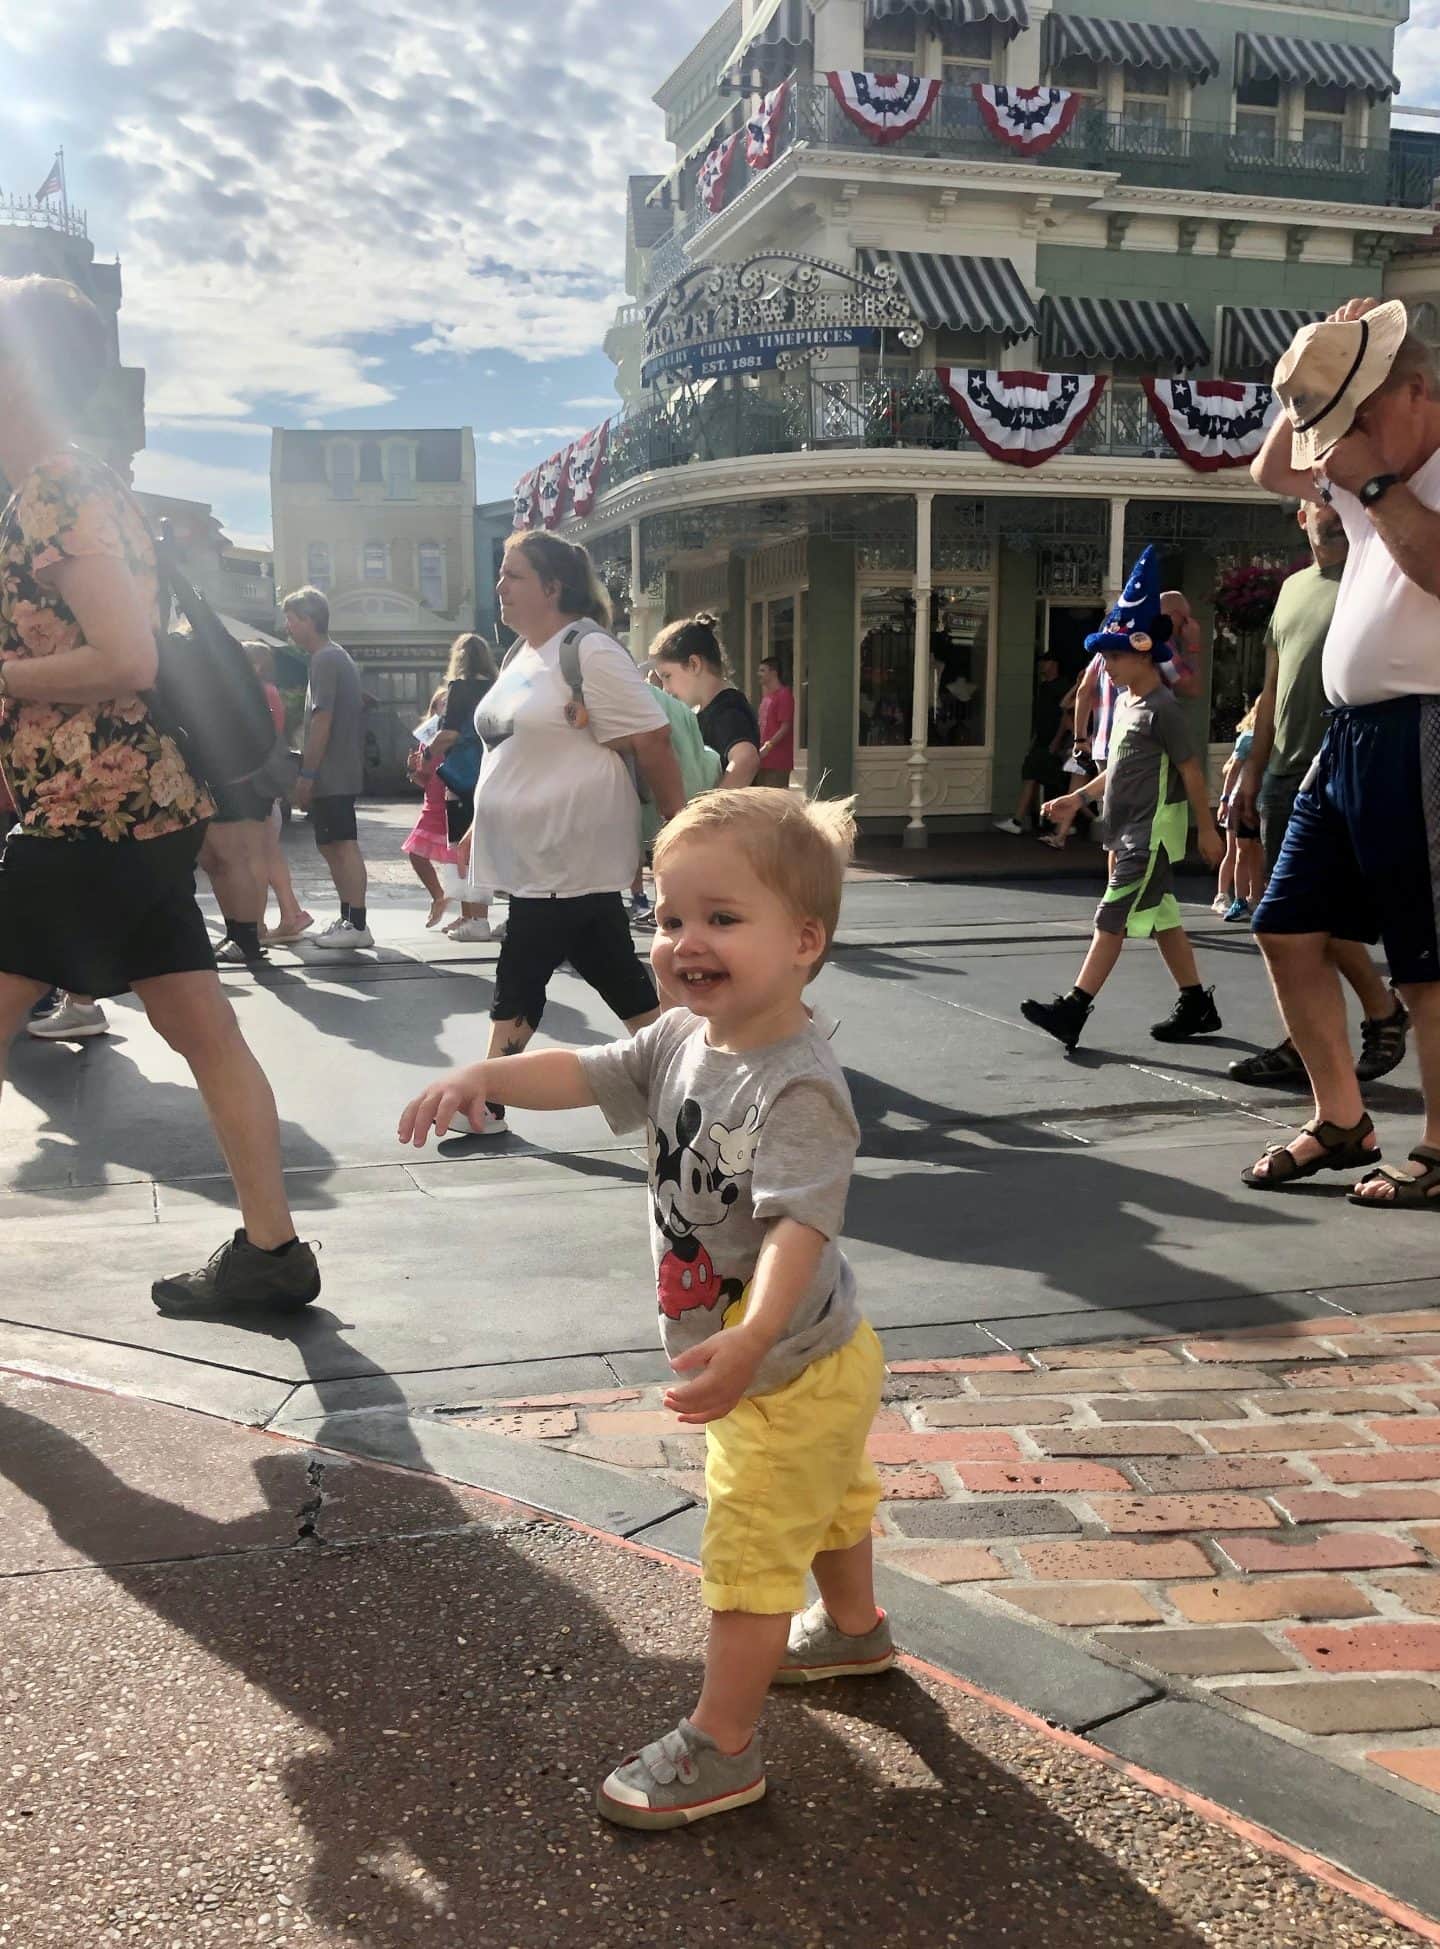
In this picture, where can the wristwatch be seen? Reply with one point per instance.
(1375, 489)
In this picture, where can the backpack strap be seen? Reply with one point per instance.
(577, 714)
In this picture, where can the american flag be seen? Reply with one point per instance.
(54, 183)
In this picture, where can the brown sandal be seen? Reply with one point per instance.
(1410, 1193)
(1342, 1149)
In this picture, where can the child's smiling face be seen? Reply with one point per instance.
(727, 947)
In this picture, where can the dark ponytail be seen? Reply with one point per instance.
(696, 636)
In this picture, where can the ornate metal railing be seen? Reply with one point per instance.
(814, 413)
(25, 213)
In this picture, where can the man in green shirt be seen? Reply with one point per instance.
(1289, 724)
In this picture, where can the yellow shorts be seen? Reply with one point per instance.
(787, 1476)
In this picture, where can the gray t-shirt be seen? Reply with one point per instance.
(736, 1141)
(1149, 740)
(335, 687)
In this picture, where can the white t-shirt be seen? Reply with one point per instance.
(555, 812)
(1384, 638)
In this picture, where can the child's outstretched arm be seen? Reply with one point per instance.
(726, 1363)
(552, 1079)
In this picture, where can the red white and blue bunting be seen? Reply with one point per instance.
(1211, 423)
(885, 106)
(527, 505)
(713, 180)
(587, 467)
(1027, 119)
(1021, 417)
(552, 490)
(762, 131)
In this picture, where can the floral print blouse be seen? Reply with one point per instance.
(81, 770)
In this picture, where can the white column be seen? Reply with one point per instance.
(915, 833)
(642, 610)
(839, 34)
(1116, 567)
(1021, 64)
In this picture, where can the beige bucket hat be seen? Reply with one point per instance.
(1330, 370)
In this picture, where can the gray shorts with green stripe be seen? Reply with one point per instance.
(1140, 899)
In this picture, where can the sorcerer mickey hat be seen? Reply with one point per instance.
(1136, 622)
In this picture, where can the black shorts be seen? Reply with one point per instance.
(1361, 858)
(94, 916)
(333, 819)
(234, 803)
(592, 933)
(459, 817)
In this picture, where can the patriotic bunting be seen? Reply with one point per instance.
(1027, 119)
(552, 488)
(1021, 417)
(1211, 423)
(587, 467)
(526, 502)
(762, 131)
(885, 106)
(714, 175)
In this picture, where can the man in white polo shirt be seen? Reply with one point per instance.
(1361, 858)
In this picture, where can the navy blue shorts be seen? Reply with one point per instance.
(1361, 858)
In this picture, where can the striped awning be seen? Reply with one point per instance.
(974, 294)
(1145, 44)
(778, 30)
(1162, 334)
(1338, 64)
(1011, 16)
(1253, 335)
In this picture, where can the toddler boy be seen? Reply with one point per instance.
(1151, 775)
(752, 1143)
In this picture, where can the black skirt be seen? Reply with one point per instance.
(94, 916)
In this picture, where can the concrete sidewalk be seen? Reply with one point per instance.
(257, 1694)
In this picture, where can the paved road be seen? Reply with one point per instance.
(256, 1698)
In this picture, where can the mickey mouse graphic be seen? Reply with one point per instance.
(691, 1194)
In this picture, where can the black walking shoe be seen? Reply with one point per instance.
(1382, 1044)
(1063, 1018)
(1281, 1064)
(238, 1277)
(1194, 1013)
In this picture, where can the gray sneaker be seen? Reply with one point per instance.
(238, 1278)
(818, 1650)
(681, 1778)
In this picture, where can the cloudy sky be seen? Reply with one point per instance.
(359, 212)
(364, 212)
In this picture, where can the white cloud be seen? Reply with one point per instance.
(222, 428)
(158, 472)
(601, 402)
(520, 436)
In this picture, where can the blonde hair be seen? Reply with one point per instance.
(798, 847)
(471, 658)
(1247, 722)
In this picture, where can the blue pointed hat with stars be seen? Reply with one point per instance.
(1136, 623)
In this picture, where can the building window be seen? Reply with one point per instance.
(894, 49)
(399, 472)
(966, 52)
(432, 575)
(342, 470)
(1146, 98)
(374, 562)
(370, 462)
(1077, 72)
(1323, 130)
(317, 566)
(1257, 118)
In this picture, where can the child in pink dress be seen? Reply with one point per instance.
(429, 840)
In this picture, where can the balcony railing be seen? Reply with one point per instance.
(1158, 154)
(815, 414)
(25, 213)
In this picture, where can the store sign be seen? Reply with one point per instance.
(775, 309)
(753, 351)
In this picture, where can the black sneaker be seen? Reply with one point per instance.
(1281, 1064)
(1063, 1018)
(240, 1276)
(1194, 1013)
(1382, 1043)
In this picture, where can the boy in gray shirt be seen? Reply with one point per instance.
(1152, 783)
(752, 1142)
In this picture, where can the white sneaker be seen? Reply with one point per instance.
(473, 930)
(490, 1125)
(70, 1022)
(340, 934)
(1009, 825)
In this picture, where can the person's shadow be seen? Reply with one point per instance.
(457, 1688)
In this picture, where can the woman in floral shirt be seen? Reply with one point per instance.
(97, 886)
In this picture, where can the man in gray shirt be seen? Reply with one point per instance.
(332, 764)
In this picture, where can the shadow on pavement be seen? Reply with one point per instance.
(451, 1692)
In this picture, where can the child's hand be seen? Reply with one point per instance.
(1062, 812)
(438, 1104)
(724, 1366)
(1212, 846)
